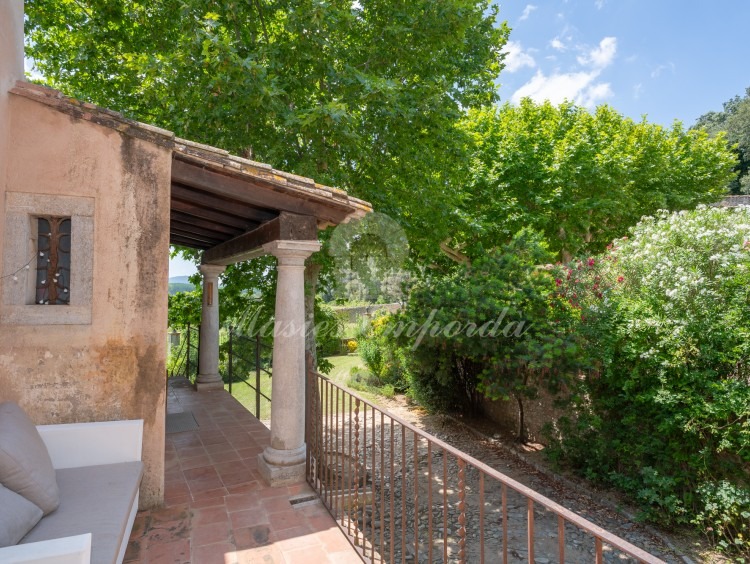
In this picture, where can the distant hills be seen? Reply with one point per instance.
(180, 284)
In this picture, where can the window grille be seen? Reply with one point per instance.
(53, 260)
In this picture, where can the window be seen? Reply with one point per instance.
(54, 236)
(53, 260)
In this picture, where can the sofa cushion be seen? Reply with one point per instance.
(96, 500)
(17, 516)
(25, 466)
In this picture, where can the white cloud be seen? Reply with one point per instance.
(600, 4)
(557, 45)
(601, 56)
(516, 58)
(578, 87)
(656, 73)
(595, 94)
(637, 91)
(527, 12)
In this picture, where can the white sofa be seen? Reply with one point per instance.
(98, 470)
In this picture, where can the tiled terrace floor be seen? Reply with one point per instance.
(217, 508)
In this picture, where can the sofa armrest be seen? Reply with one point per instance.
(67, 550)
(73, 445)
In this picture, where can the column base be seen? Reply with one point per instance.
(209, 382)
(277, 476)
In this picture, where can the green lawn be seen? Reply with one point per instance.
(246, 395)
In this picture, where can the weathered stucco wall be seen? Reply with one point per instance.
(113, 367)
(11, 69)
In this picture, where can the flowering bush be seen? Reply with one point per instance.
(665, 415)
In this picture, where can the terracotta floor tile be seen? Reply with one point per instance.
(244, 488)
(207, 498)
(167, 515)
(285, 520)
(208, 515)
(241, 502)
(136, 551)
(242, 477)
(217, 508)
(309, 555)
(230, 467)
(224, 456)
(252, 537)
(218, 553)
(276, 504)
(176, 500)
(195, 462)
(248, 518)
(188, 452)
(210, 533)
(203, 472)
(265, 554)
(205, 484)
(170, 553)
(295, 538)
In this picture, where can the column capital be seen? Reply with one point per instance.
(211, 270)
(291, 249)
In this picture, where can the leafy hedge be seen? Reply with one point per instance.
(666, 414)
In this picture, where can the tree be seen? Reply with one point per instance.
(580, 178)
(360, 95)
(734, 121)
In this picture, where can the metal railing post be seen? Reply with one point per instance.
(198, 354)
(257, 376)
(229, 368)
(187, 360)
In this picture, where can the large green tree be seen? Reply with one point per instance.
(581, 178)
(734, 121)
(363, 94)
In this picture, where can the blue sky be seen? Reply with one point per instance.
(666, 59)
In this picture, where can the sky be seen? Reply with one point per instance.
(663, 59)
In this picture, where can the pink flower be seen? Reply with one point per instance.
(558, 281)
(592, 262)
(620, 278)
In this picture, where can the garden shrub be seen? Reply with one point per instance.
(665, 415)
(494, 328)
(382, 354)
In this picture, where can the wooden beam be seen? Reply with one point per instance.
(193, 227)
(210, 214)
(258, 192)
(185, 234)
(177, 240)
(222, 231)
(211, 201)
(286, 227)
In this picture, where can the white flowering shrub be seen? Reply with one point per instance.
(665, 414)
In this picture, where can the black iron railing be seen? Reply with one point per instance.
(186, 359)
(248, 362)
(403, 495)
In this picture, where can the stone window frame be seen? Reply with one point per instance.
(18, 296)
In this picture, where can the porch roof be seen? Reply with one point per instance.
(218, 198)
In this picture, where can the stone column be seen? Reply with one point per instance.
(283, 462)
(208, 361)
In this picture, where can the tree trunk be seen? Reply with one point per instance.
(522, 438)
